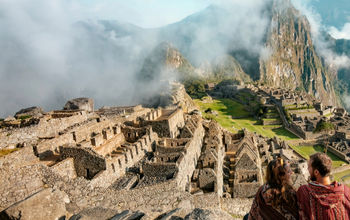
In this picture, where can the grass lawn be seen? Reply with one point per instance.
(227, 107)
(338, 176)
(272, 114)
(306, 151)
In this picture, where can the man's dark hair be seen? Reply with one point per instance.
(322, 163)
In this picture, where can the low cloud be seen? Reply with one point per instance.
(344, 33)
(47, 57)
(323, 46)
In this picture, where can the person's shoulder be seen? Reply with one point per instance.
(303, 189)
(347, 190)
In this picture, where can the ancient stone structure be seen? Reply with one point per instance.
(247, 156)
(150, 161)
(208, 176)
(80, 104)
(243, 160)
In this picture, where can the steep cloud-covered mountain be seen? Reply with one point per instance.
(104, 59)
(294, 62)
(166, 62)
(275, 46)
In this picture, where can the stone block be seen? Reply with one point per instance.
(47, 204)
(97, 140)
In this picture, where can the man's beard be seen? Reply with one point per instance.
(313, 177)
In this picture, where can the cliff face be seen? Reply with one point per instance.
(293, 62)
(165, 62)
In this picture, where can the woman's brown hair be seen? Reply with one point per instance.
(283, 191)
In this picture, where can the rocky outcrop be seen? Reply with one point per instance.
(86, 104)
(176, 95)
(293, 62)
(32, 111)
(165, 62)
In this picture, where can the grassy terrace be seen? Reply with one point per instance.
(306, 151)
(227, 108)
(241, 118)
(342, 176)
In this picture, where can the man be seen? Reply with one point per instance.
(322, 199)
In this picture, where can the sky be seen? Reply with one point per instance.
(334, 13)
(143, 13)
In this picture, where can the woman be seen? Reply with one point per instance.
(276, 199)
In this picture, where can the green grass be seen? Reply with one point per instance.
(338, 176)
(271, 119)
(226, 108)
(4, 152)
(328, 115)
(23, 117)
(272, 114)
(306, 151)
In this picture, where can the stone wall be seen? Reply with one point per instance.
(167, 125)
(17, 159)
(219, 170)
(45, 128)
(116, 166)
(108, 146)
(86, 162)
(166, 150)
(18, 184)
(163, 170)
(48, 147)
(85, 132)
(176, 121)
(46, 204)
(171, 142)
(245, 190)
(338, 154)
(187, 163)
(132, 134)
(160, 127)
(65, 168)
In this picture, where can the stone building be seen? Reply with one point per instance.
(208, 176)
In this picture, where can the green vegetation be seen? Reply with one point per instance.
(195, 88)
(4, 152)
(1, 119)
(306, 151)
(286, 113)
(291, 108)
(272, 115)
(324, 126)
(328, 115)
(339, 176)
(23, 117)
(233, 116)
(227, 82)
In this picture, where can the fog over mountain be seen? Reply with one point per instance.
(47, 57)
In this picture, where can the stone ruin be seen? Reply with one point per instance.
(300, 114)
(153, 162)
